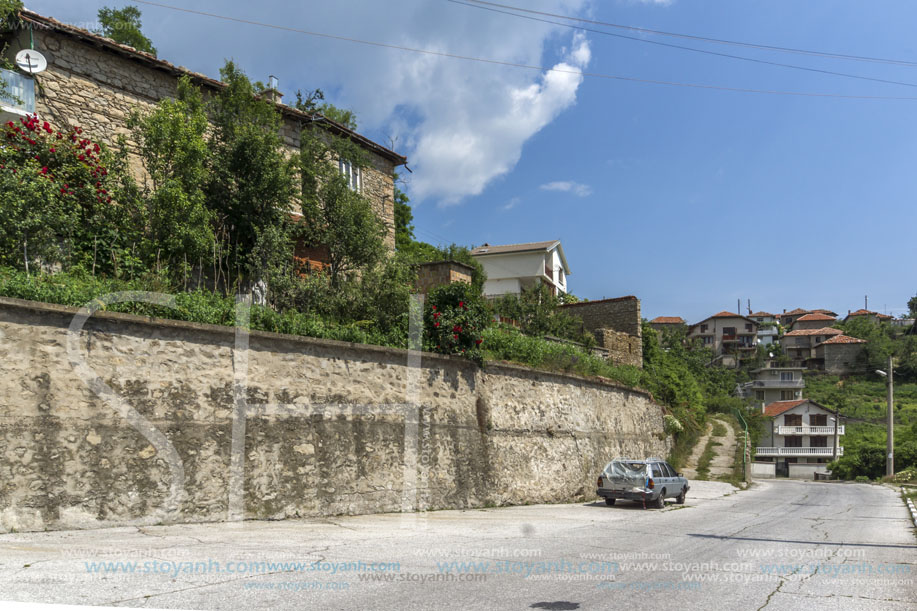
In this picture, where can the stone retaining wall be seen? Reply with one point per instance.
(142, 422)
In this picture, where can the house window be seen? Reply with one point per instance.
(729, 330)
(787, 395)
(351, 174)
(759, 395)
(703, 328)
(707, 340)
(818, 420)
(792, 442)
(792, 419)
(818, 442)
(786, 376)
(748, 327)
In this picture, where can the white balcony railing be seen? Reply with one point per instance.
(809, 430)
(778, 383)
(799, 451)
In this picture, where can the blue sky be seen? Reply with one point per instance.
(688, 198)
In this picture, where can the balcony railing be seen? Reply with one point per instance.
(778, 383)
(798, 451)
(18, 98)
(809, 430)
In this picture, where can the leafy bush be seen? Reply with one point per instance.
(671, 425)
(455, 318)
(506, 343)
(538, 313)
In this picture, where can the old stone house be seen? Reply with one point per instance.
(94, 83)
(732, 337)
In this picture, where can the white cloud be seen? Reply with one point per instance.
(567, 186)
(511, 203)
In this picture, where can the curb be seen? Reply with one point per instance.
(911, 508)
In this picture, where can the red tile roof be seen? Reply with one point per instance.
(778, 407)
(668, 320)
(862, 312)
(828, 312)
(762, 314)
(843, 339)
(822, 331)
(796, 311)
(815, 316)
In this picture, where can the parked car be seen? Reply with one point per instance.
(648, 481)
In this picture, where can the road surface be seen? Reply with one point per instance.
(782, 545)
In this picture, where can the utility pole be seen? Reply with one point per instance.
(890, 459)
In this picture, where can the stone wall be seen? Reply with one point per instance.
(616, 324)
(620, 314)
(623, 349)
(839, 359)
(146, 420)
(95, 88)
(438, 273)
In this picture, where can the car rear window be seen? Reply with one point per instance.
(626, 469)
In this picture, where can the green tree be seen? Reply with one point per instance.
(335, 214)
(251, 183)
(313, 101)
(124, 26)
(404, 217)
(9, 15)
(173, 145)
(912, 306)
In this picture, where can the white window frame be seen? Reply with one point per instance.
(352, 175)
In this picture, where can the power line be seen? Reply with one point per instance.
(529, 66)
(721, 41)
(471, 4)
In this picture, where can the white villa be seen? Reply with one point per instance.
(798, 440)
(513, 267)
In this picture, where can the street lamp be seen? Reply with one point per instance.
(890, 418)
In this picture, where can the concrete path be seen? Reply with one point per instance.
(725, 454)
(779, 546)
(690, 469)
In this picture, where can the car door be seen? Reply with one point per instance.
(678, 483)
(661, 478)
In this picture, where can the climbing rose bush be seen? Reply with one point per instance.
(55, 186)
(454, 321)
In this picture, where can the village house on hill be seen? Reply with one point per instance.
(94, 83)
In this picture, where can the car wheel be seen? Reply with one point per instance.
(609, 502)
(680, 499)
(660, 500)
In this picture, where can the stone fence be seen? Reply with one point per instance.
(117, 419)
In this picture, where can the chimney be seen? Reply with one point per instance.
(272, 93)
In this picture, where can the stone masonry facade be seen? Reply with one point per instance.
(134, 421)
(96, 84)
(439, 273)
(617, 325)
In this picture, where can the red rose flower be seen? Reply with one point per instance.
(478, 341)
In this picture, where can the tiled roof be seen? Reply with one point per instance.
(815, 316)
(843, 339)
(487, 249)
(828, 312)
(668, 320)
(862, 312)
(823, 331)
(796, 311)
(151, 60)
(762, 314)
(778, 407)
(725, 314)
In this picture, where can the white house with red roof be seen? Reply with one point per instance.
(768, 328)
(732, 337)
(798, 440)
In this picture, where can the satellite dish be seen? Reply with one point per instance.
(31, 61)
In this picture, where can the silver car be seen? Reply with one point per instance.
(649, 481)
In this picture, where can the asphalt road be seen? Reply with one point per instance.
(781, 545)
